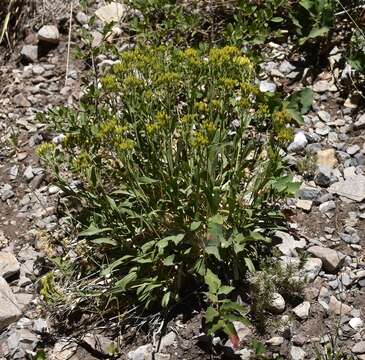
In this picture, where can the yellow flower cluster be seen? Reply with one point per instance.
(132, 82)
(209, 127)
(201, 106)
(199, 140)
(45, 149)
(161, 120)
(228, 83)
(249, 89)
(188, 119)
(109, 83)
(221, 56)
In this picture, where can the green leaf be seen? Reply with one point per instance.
(249, 264)
(225, 290)
(92, 230)
(212, 281)
(229, 306)
(195, 225)
(123, 283)
(169, 261)
(277, 19)
(115, 264)
(213, 250)
(211, 314)
(166, 299)
(146, 180)
(105, 240)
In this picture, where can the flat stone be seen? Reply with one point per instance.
(29, 53)
(275, 341)
(359, 348)
(331, 259)
(267, 86)
(112, 12)
(21, 100)
(324, 115)
(302, 310)
(305, 205)
(49, 34)
(321, 86)
(289, 245)
(338, 308)
(9, 265)
(356, 323)
(352, 188)
(21, 342)
(143, 352)
(360, 123)
(327, 158)
(9, 309)
(353, 149)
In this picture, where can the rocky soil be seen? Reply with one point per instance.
(328, 154)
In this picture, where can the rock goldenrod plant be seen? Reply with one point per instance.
(178, 153)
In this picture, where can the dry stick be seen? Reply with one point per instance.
(69, 43)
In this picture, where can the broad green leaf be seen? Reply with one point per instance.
(229, 306)
(115, 264)
(212, 281)
(277, 19)
(225, 290)
(211, 314)
(169, 261)
(213, 250)
(195, 225)
(146, 180)
(230, 330)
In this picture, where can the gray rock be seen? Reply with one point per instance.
(40, 326)
(302, 310)
(332, 259)
(143, 352)
(267, 86)
(297, 353)
(82, 18)
(9, 309)
(299, 143)
(311, 268)
(353, 149)
(338, 308)
(49, 34)
(324, 115)
(275, 341)
(327, 206)
(360, 123)
(9, 265)
(29, 53)
(168, 340)
(289, 245)
(359, 348)
(21, 342)
(64, 350)
(352, 188)
(305, 205)
(277, 305)
(321, 86)
(323, 176)
(21, 100)
(99, 342)
(308, 192)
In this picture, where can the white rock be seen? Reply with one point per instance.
(9, 265)
(277, 304)
(356, 323)
(29, 53)
(299, 143)
(297, 353)
(305, 205)
(352, 188)
(275, 341)
(112, 12)
(302, 310)
(289, 244)
(9, 309)
(311, 268)
(143, 352)
(49, 34)
(267, 86)
(338, 308)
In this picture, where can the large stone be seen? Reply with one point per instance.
(302, 310)
(9, 265)
(323, 176)
(277, 304)
(267, 86)
(321, 86)
(21, 342)
(299, 143)
(327, 158)
(288, 244)
(297, 353)
(112, 12)
(9, 309)
(49, 34)
(359, 348)
(143, 352)
(360, 123)
(332, 259)
(311, 268)
(29, 53)
(352, 188)
(338, 308)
